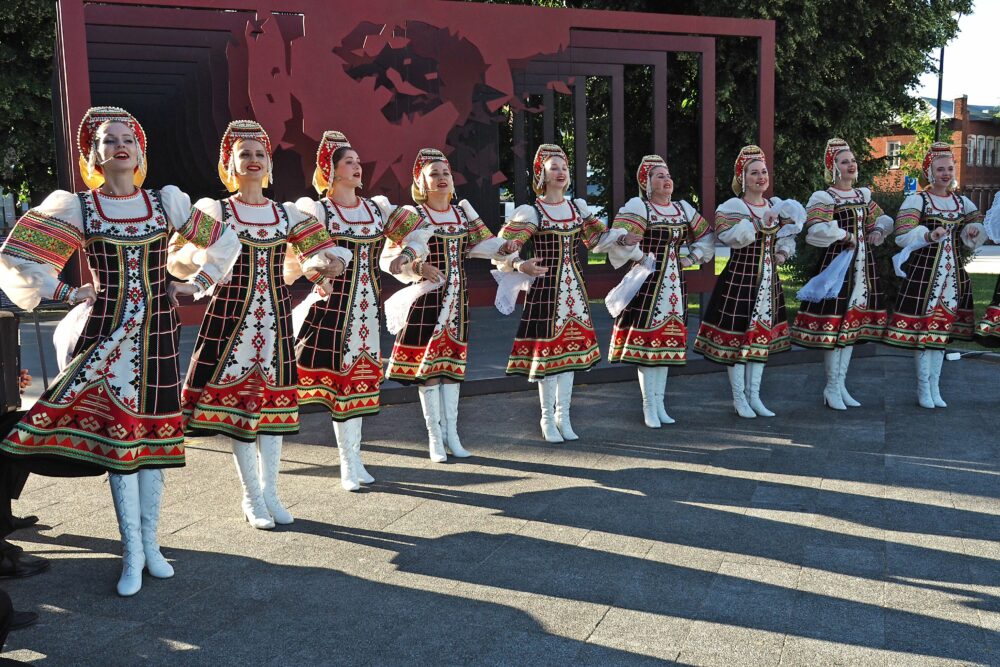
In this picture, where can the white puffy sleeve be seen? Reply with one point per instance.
(412, 245)
(403, 227)
(481, 243)
(992, 220)
(310, 247)
(520, 227)
(38, 248)
(701, 240)
(184, 260)
(219, 244)
(792, 215)
(822, 229)
(877, 219)
(907, 227)
(973, 220)
(631, 219)
(734, 225)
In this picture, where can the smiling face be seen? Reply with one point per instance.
(847, 166)
(437, 178)
(755, 178)
(659, 184)
(250, 160)
(942, 172)
(346, 168)
(556, 174)
(117, 148)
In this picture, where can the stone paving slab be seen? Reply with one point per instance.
(816, 538)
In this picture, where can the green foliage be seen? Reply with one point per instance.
(27, 40)
(921, 123)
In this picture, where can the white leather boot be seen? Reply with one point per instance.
(738, 386)
(845, 361)
(661, 395)
(564, 398)
(254, 507)
(348, 475)
(831, 392)
(364, 477)
(923, 362)
(755, 373)
(935, 362)
(270, 462)
(650, 415)
(449, 427)
(430, 403)
(547, 389)
(150, 501)
(125, 493)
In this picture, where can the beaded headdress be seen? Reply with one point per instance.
(834, 147)
(86, 141)
(328, 145)
(544, 152)
(236, 131)
(425, 157)
(747, 155)
(649, 162)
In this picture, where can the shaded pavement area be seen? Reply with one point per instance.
(867, 537)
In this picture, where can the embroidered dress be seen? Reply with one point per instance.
(556, 333)
(242, 380)
(745, 320)
(652, 330)
(935, 299)
(339, 361)
(858, 313)
(117, 404)
(434, 342)
(989, 325)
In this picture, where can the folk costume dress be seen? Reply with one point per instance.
(116, 406)
(556, 337)
(745, 321)
(337, 350)
(989, 325)
(433, 341)
(651, 331)
(934, 303)
(858, 312)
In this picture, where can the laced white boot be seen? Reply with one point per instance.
(935, 362)
(254, 507)
(270, 462)
(923, 363)
(564, 398)
(650, 415)
(845, 361)
(348, 475)
(150, 501)
(125, 493)
(547, 390)
(449, 410)
(364, 477)
(832, 397)
(755, 373)
(661, 395)
(738, 385)
(430, 403)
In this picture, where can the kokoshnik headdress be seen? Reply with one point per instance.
(86, 141)
(236, 131)
(747, 155)
(328, 145)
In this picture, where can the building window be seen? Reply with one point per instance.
(970, 151)
(892, 149)
(980, 149)
(990, 150)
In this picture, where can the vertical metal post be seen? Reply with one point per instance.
(937, 120)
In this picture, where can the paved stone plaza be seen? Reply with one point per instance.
(815, 538)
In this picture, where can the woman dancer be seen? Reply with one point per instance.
(432, 346)
(651, 332)
(843, 218)
(339, 362)
(556, 335)
(745, 322)
(936, 295)
(242, 381)
(116, 406)
(989, 326)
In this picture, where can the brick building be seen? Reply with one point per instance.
(974, 132)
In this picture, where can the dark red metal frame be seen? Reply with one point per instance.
(286, 63)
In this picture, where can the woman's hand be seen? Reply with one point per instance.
(936, 235)
(397, 265)
(176, 289)
(875, 237)
(24, 380)
(86, 293)
(431, 272)
(531, 267)
(509, 248)
(629, 239)
(770, 218)
(851, 241)
(686, 262)
(780, 257)
(334, 268)
(973, 232)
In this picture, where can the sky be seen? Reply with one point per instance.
(970, 59)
